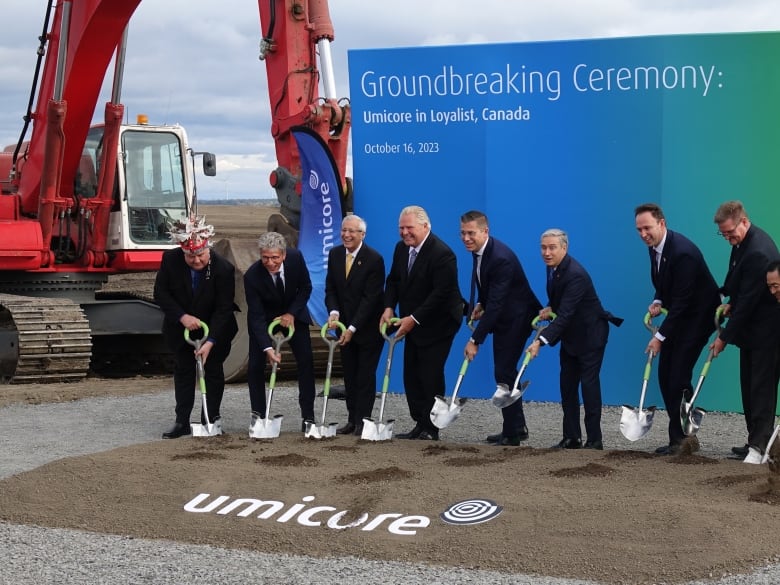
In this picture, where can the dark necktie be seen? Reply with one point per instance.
(653, 264)
(475, 258)
(195, 275)
(279, 283)
(550, 275)
(412, 257)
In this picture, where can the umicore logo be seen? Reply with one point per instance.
(306, 515)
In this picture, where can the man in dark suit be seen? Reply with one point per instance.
(582, 326)
(505, 307)
(354, 296)
(195, 284)
(423, 283)
(278, 286)
(685, 287)
(751, 324)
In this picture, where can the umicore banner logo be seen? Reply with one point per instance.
(306, 515)
(473, 511)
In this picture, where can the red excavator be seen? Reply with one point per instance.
(80, 203)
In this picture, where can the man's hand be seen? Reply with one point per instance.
(725, 309)
(190, 322)
(346, 337)
(654, 346)
(544, 314)
(477, 313)
(654, 309)
(387, 314)
(204, 351)
(405, 325)
(272, 356)
(533, 349)
(471, 350)
(717, 346)
(286, 320)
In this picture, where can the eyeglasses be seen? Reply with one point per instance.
(732, 232)
(350, 231)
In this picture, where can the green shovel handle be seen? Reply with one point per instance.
(535, 322)
(648, 321)
(290, 331)
(197, 342)
(383, 330)
(325, 329)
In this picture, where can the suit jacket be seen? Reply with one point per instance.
(504, 291)
(264, 303)
(686, 288)
(753, 318)
(212, 302)
(581, 323)
(359, 297)
(429, 292)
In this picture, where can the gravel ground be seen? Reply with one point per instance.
(33, 435)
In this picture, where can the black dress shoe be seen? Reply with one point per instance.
(177, 430)
(741, 451)
(358, 429)
(498, 437)
(523, 434)
(508, 442)
(668, 449)
(413, 434)
(598, 445)
(347, 429)
(494, 438)
(568, 444)
(428, 436)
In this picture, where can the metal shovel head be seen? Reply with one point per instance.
(692, 422)
(504, 397)
(315, 431)
(635, 424)
(266, 428)
(444, 414)
(377, 431)
(208, 430)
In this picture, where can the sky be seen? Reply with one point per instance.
(195, 63)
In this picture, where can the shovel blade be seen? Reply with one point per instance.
(377, 431)
(208, 430)
(504, 397)
(692, 422)
(443, 414)
(325, 431)
(265, 428)
(635, 424)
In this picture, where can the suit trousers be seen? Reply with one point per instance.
(759, 371)
(300, 345)
(675, 371)
(185, 382)
(359, 361)
(581, 370)
(424, 376)
(508, 347)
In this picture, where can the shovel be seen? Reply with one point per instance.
(378, 430)
(209, 429)
(503, 396)
(636, 423)
(765, 458)
(691, 417)
(442, 413)
(270, 427)
(325, 430)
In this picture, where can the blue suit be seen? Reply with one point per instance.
(264, 304)
(687, 290)
(582, 327)
(509, 306)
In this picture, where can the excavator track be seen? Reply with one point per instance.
(42, 340)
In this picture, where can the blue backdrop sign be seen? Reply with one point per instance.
(573, 135)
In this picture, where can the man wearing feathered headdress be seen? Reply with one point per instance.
(195, 285)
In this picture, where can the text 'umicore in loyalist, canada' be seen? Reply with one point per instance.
(306, 514)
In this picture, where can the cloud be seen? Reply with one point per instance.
(196, 63)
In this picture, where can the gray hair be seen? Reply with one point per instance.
(271, 241)
(557, 233)
(353, 217)
(418, 212)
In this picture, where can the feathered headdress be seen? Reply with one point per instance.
(192, 235)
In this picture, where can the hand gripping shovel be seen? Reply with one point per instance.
(269, 427)
(636, 423)
(503, 396)
(691, 417)
(442, 413)
(325, 430)
(209, 429)
(378, 430)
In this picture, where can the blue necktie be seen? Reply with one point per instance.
(412, 257)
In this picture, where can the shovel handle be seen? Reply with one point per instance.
(648, 321)
(537, 319)
(278, 336)
(197, 342)
(331, 338)
(331, 341)
(383, 330)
